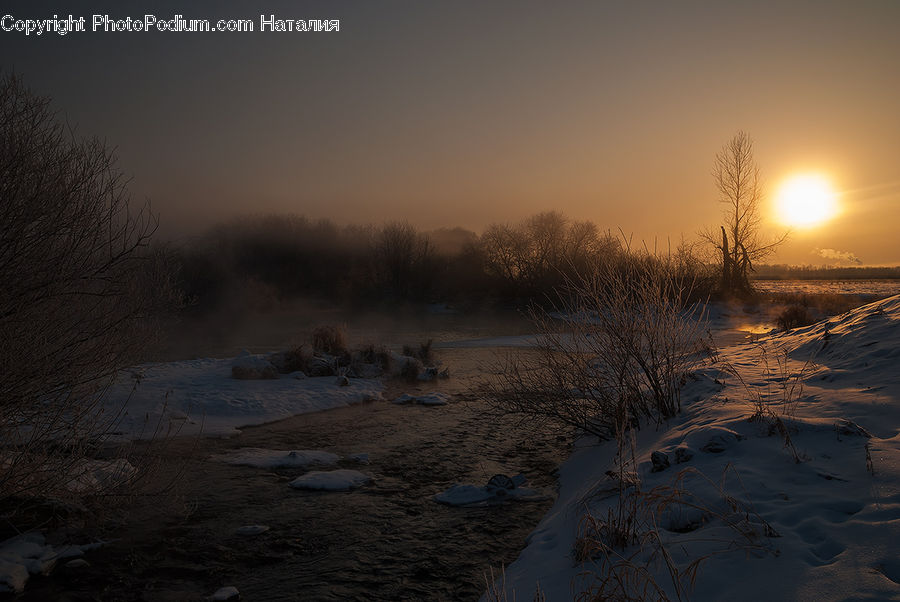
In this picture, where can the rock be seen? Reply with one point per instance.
(683, 454)
(343, 381)
(226, 593)
(500, 481)
(78, 563)
(660, 461)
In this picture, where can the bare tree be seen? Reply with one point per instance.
(74, 276)
(403, 259)
(539, 253)
(736, 175)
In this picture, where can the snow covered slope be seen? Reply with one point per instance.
(783, 481)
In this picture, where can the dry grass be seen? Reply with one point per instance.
(330, 339)
(626, 552)
(496, 591)
(784, 396)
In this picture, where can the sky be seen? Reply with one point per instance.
(466, 113)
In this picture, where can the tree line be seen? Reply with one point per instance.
(278, 257)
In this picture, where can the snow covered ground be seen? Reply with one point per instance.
(200, 396)
(801, 503)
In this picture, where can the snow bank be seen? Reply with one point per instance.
(274, 458)
(200, 396)
(332, 480)
(803, 503)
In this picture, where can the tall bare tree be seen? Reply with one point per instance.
(738, 241)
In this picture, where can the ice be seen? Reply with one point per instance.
(332, 480)
(429, 399)
(251, 530)
(226, 593)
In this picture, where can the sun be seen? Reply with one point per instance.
(805, 201)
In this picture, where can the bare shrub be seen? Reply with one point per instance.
(78, 287)
(330, 339)
(794, 316)
(616, 350)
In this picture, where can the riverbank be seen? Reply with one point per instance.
(782, 483)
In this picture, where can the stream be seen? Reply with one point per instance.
(388, 540)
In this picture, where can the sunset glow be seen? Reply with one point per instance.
(806, 201)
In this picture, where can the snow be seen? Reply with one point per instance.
(200, 396)
(332, 480)
(274, 458)
(226, 593)
(429, 399)
(490, 494)
(811, 515)
(29, 554)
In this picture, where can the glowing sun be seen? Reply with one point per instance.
(804, 201)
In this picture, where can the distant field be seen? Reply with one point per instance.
(877, 288)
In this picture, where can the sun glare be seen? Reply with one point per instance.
(805, 201)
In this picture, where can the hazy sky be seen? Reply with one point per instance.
(465, 113)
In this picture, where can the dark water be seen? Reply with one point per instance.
(385, 541)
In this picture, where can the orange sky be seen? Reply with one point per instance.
(457, 113)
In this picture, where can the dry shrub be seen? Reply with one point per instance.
(617, 349)
(292, 360)
(372, 355)
(330, 339)
(411, 369)
(422, 352)
(794, 316)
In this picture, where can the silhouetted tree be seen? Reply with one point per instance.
(542, 251)
(736, 176)
(403, 260)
